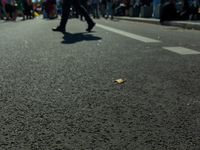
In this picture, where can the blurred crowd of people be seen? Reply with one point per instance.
(190, 10)
(11, 9)
(105, 8)
(94, 7)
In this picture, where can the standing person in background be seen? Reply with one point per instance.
(89, 4)
(190, 9)
(20, 8)
(65, 15)
(27, 9)
(9, 9)
(84, 4)
(44, 5)
(2, 9)
(31, 9)
(126, 3)
(95, 4)
(109, 8)
(169, 12)
(138, 3)
(50, 9)
(103, 8)
(54, 8)
(113, 7)
(155, 3)
(59, 7)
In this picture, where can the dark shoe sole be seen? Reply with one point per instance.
(90, 27)
(58, 29)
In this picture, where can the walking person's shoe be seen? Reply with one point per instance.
(58, 29)
(90, 26)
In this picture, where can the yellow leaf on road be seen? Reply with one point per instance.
(120, 80)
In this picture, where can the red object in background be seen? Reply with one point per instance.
(34, 6)
(49, 6)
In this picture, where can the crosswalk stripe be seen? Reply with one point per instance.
(130, 35)
(181, 50)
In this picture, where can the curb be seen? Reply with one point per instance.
(183, 24)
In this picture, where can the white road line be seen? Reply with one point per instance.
(181, 50)
(130, 35)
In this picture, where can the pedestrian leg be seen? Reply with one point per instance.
(109, 9)
(103, 10)
(93, 10)
(3, 10)
(97, 11)
(65, 13)
(82, 10)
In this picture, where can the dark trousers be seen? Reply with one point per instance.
(95, 8)
(85, 6)
(185, 15)
(27, 10)
(78, 7)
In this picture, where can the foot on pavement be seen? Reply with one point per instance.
(58, 29)
(90, 26)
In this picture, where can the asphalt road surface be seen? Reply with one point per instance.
(57, 90)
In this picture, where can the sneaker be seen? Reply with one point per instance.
(90, 26)
(58, 29)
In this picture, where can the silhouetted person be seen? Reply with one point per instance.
(169, 12)
(190, 9)
(2, 9)
(65, 15)
(84, 4)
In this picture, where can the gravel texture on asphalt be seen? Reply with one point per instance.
(57, 93)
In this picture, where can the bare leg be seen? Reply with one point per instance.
(22, 14)
(8, 16)
(13, 16)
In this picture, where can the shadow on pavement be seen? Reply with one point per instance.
(70, 38)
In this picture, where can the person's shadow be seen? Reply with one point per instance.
(70, 38)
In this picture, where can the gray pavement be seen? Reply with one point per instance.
(189, 24)
(57, 90)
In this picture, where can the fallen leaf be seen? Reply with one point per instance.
(147, 47)
(158, 37)
(120, 80)
(59, 89)
(99, 40)
(188, 104)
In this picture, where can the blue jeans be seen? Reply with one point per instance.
(109, 10)
(94, 8)
(2, 10)
(155, 2)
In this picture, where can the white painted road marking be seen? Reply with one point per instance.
(181, 50)
(130, 35)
